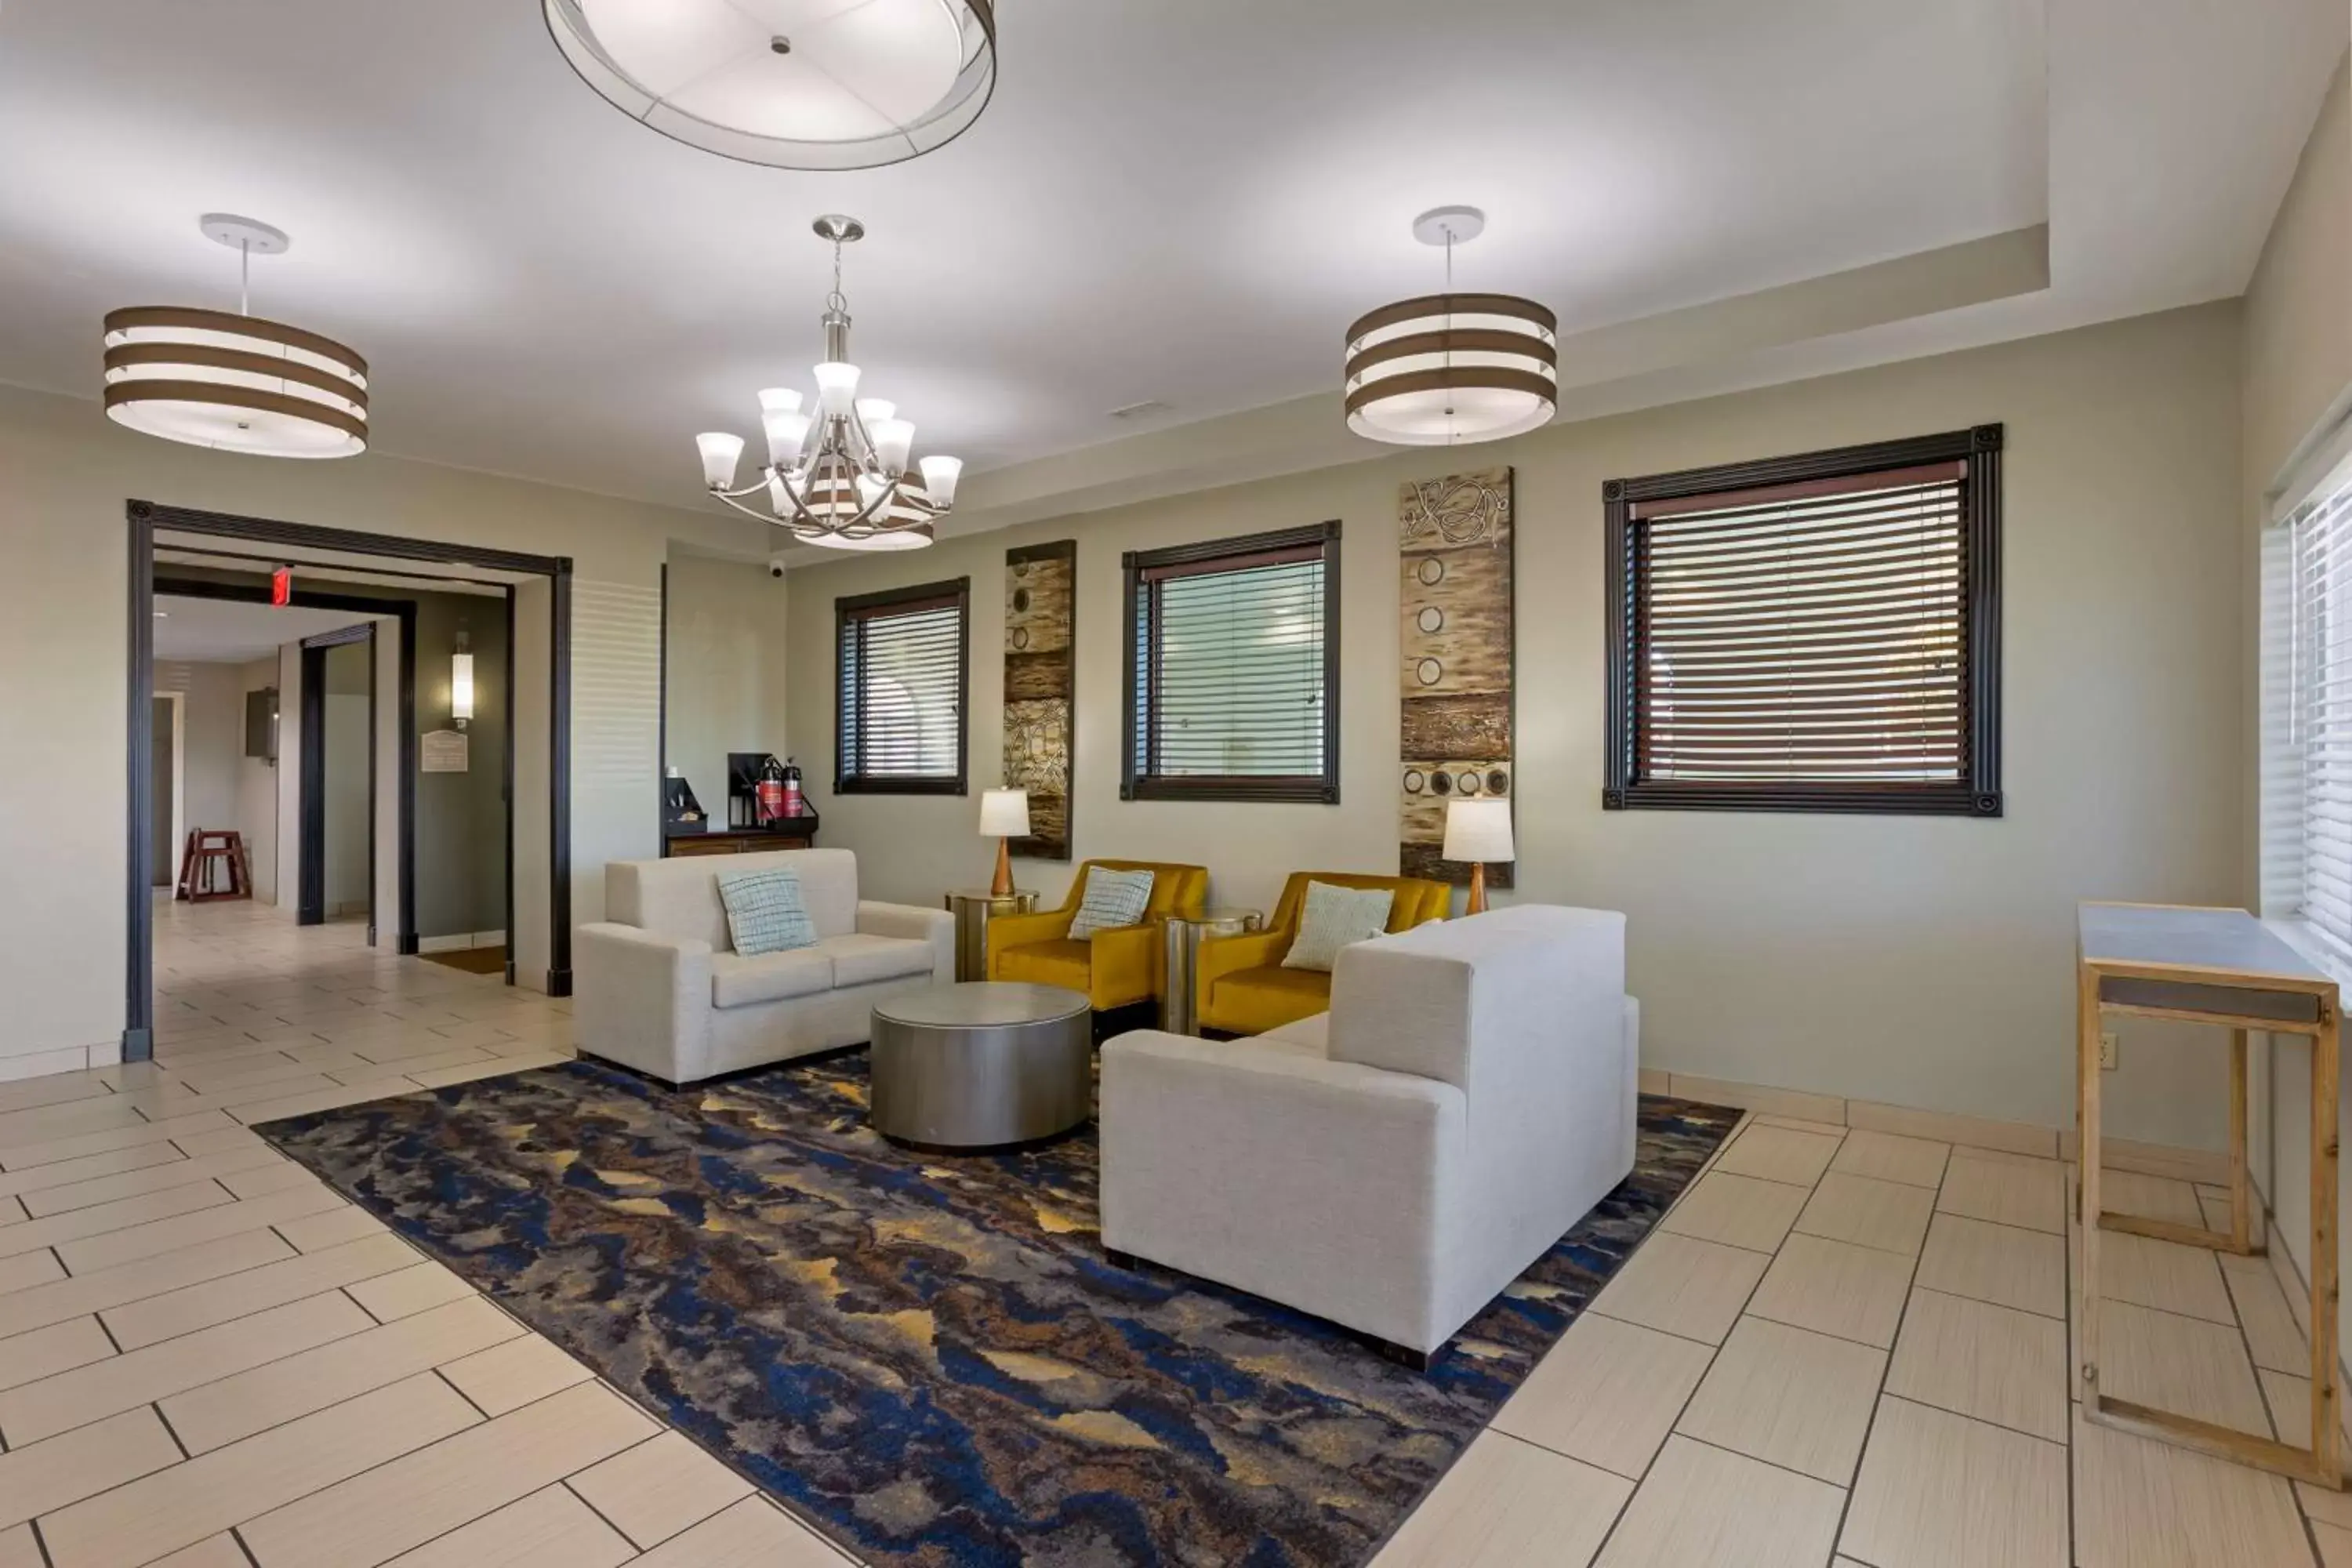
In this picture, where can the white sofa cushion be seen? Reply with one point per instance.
(1306, 1037)
(860, 959)
(740, 982)
(679, 897)
(764, 912)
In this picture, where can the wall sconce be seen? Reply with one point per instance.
(461, 683)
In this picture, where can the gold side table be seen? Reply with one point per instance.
(1179, 1008)
(973, 908)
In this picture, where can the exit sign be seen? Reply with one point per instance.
(281, 587)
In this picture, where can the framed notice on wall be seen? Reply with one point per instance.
(441, 752)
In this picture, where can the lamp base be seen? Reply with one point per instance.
(1477, 904)
(1003, 886)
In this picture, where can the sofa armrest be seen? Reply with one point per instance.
(914, 924)
(1020, 930)
(1323, 1184)
(644, 999)
(1128, 963)
(1223, 955)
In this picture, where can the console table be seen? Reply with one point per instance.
(2223, 967)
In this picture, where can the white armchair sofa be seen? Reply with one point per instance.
(1393, 1164)
(661, 988)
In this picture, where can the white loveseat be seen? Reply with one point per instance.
(1394, 1164)
(660, 987)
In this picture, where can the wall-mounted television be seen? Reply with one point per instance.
(261, 723)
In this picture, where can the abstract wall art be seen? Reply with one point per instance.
(1455, 538)
(1040, 593)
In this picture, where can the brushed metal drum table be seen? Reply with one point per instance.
(981, 1064)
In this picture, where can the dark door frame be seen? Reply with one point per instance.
(310, 908)
(146, 519)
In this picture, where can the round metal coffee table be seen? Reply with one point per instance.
(985, 1063)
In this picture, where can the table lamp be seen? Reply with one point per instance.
(1478, 831)
(1005, 816)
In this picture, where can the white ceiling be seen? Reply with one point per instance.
(231, 631)
(1180, 203)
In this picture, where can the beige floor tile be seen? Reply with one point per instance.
(1973, 1358)
(1737, 1211)
(2143, 1504)
(27, 1270)
(196, 1145)
(241, 1073)
(113, 1139)
(57, 1088)
(1889, 1216)
(1973, 1132)
(1778, 1154)
(328, 1099)
(166, 1316)
(146, 1375)
(1996, 1263)
(200, 1497)
(1703, 1507)
(1939, 1491)
(43, 1352)
(331, 1228)
(58, 1299)
(2161, 1274)
(44, 1123)
(549, 1528)
(1788, 1396)
(1606, 1393)
(361, 1521)
(2182, 1364)
(19, 1549)
(1826, 1129)
(167, 1170)
(214, 1551)
(262, 1181)
(1503, 1503)
(39, 1478)
(2335, 1544)
(1889, 1157)
(753, 1534)
(442, 1077)
(119, 1246)
(361, 1072)
(2289, 1399)
(2028, 1193)
(2263, 1310)
(660, 1488)
(405, 1292)
(1836, 1288)
(91, 1167)
(1679, 1285)
(28, 1235)
(1786, 1102)
(2151, 1198)
(510, 1375)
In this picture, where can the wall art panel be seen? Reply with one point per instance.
(1040, 590)
(1454, 535)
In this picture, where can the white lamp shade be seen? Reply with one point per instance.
(892, 440)
(779, 400)
(721, 453)
(461, 685)
(1004, 813)
(1478, 831)
(874, 410)
(940, 477)
(786, 429)
(836, 386)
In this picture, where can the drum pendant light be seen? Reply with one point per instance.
(1451, 369)
(235, 381)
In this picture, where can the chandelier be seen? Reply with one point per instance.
(234, 382)
(1450, 369)
(836, 473)
(788, 83)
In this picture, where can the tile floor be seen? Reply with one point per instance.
(1853, 1347)
(1842, 1345)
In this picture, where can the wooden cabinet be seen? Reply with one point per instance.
(799, 833)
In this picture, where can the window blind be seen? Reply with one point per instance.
(2319, 741)
(1813, 632)
(901, 698)
(1232, 675)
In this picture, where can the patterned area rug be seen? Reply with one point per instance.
(930, 1357)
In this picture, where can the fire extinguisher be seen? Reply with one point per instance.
(793, 805)
(770, 791)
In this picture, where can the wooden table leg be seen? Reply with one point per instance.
(2086, 1157)
(2325, 1396)
(2240, 1206)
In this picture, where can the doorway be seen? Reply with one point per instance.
(166, 812)
(535, 590)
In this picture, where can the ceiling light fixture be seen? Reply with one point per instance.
(234, 382)
(1450, 369)
(835, 475)
(795, 84)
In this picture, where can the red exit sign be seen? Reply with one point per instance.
(281, 587)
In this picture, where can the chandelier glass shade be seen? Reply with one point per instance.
(796, 84)
(836, 471)
(1450, 369)
(235, 381)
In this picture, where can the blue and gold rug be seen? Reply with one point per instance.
(930, 1357)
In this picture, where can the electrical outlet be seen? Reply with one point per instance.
(2108, 1053)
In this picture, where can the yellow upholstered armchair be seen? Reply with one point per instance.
(1244, 990)
(1113, 968)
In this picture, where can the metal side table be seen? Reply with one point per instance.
(981, 1066)
(1179, 1004)
(973, 908)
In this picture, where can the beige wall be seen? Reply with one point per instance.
(1921, 961)
(64, 474)
(725, 664)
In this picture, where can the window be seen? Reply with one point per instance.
(1819, 633)
(1232, 672)
(2307, 719)
(903, 673)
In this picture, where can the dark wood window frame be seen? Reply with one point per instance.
(1976, 794)
(1140, 567)
(849, 612)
